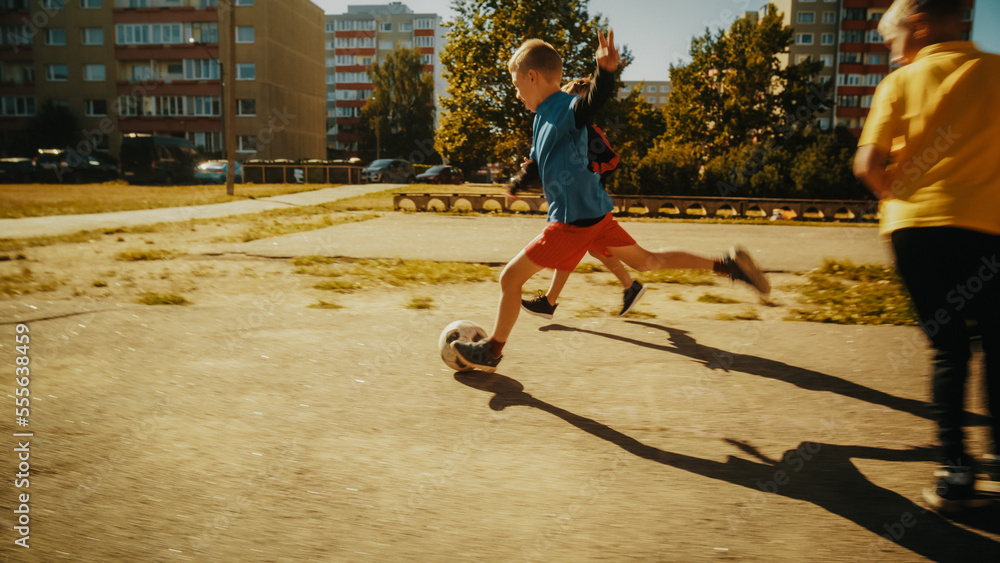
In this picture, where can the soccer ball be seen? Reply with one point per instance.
(464, 331)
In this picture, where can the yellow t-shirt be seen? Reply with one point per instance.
(939, 120)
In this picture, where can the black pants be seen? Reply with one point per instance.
(953, 275)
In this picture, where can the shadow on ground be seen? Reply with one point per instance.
(819, 473)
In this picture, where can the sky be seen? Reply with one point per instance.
(659, 32)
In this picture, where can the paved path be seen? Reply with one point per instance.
(66, 224)
(497, 239)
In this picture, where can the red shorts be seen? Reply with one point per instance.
(561, 246)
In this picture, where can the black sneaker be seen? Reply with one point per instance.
(632, 295)
(954, 491)
(477, 354)
(741, 267)
(539, 306)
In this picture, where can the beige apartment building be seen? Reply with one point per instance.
(656, 92)
(843, 35)
(359, 38)
(157, 66)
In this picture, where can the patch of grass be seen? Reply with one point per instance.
(17, 283)
(588, 268)
(163, 299)
(27, 200)
(684, 277)
(324, 305)
(138, 255)
(99, 283)
(638, 314)
(750, 314)
(718, 299)
(590, 311)
(845, 293)
(276, 228)
(347, 274)
(677, 297)
(419, 303)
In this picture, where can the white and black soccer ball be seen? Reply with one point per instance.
(458, 331)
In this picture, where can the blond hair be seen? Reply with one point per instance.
(897, 14)
(537, 55)
(576, 87)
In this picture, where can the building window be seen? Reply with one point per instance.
(406, 26)
(873, 79)
(57, 73)
(206, 141)
(330, 28)
(244, 2)
(344, 60)
(852, 36)
(385, 45)
(824, 123)
(848, 101)
(149, 34)
(55, 36)
(97, 108)
(803, 38)
(246, 71)
(665, 89)
(53, 4)
(201, 69)
(424, 41)
(875, 16)
(246, 107)
(92, 36)
(246, 143)
(866, 101)
(423, 23)
(93, 73)
(874, 36)
(426, 59)
(354, 25)
(876, 59)
(805, 17)
(15, 35)
(17, 106)
(244, 34)
(142, 73)
(385, 27)
(855, 14)
(967, 15)
(827, 60)
(829, 17)
(850, 57)
(355, 42)
(91, 4)
(826, 39)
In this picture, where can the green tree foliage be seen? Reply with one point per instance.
(54, 127)
(748, 120)
(482, 120)
(735, 90)
(632, 125)
(398, 119)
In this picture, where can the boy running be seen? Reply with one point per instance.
(579, 212)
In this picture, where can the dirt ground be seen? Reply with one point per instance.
(250, 426)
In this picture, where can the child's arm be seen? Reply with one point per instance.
(602, 85)
(525, 178)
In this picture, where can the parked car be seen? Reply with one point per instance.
(390, 170)
(214, 172)
(68, 167)
(442, 175)
(16, 170)
(150, 159)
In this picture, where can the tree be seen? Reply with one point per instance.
(632, 125)
(398, 120)
(53, 127)
(736, 90)
(482, 120)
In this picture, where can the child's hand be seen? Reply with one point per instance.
(607, 54)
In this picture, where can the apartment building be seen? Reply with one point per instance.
(356, 40)
(656, 92)
(156, 66)
(843, 35)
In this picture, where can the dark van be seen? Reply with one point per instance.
(149, 159)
